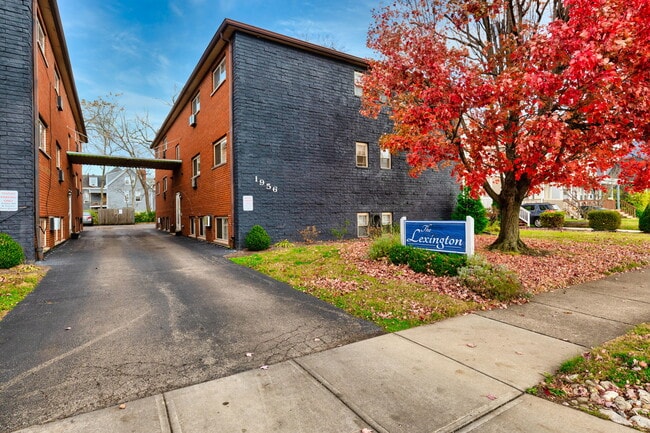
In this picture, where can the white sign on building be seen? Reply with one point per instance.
(8, 201)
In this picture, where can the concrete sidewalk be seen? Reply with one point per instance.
(467, 374)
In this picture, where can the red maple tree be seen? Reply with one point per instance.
(515, 94)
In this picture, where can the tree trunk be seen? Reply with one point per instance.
(510, 200)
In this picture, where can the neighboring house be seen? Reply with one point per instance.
(40, 120)
(269, 132)
(94, 191)
(123, 190)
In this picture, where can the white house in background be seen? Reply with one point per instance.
(123, 190)
(94, 191)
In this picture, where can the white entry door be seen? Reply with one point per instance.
(177, 224)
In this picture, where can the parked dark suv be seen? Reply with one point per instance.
(536, 210)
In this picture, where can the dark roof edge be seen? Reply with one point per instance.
(221, 37)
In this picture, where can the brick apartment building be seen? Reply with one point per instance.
(40, 120)
(269, 132)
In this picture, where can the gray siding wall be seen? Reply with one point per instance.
(16, 120)
(295, 124)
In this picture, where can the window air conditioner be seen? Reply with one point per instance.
(192, 119)
(59, 103)
(193, 182)
(207, 221)
(55, 223)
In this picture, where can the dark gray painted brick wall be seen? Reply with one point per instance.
(295, 124)
(16, 119)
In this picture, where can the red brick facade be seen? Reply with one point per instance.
(205, 199)
(60, 125)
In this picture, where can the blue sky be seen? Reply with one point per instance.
(146, 49)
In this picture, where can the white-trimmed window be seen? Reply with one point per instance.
(220, 149)
(178, 152)
(219, 75)
(363, 222)
(157, 188)
(58, 156)
(40, 36)
(164, 184)
(92, 182)
(358, 78)
(384, 159)
(57, 81)
(221, 224)
(362, 154)
(387, 221)
(196, 166)
(196, 104)
(42, 136)
(127, 180)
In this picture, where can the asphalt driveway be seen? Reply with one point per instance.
(127, 312)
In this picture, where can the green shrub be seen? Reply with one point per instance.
(258, 239)
(426, 262)
(11, 253)
(145, 217)
(381, 246)
(552, 219)
(644, 220)
(604, 220)
(468, 206)
(490, 281)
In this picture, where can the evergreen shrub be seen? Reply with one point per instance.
(11, 253)
(491, 281)
(552, 219)
(427, 262)
(468, 206)
(258, 239)
(604, 220)
(644, 220)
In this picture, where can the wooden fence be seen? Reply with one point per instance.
(107, 217)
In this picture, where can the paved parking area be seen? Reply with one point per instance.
(127, 312)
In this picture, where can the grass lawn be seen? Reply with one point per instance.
(395, 298)
(16, 283)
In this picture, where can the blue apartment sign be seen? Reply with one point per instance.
(441, 236)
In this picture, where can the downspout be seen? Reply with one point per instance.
(231, 144)
(37, 226)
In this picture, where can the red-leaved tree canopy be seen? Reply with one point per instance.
(515, 94)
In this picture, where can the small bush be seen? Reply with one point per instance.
(382, 245)
(552, 219)
(145, 217)
(309, 234)
(11, 253)
(490, 281)
(258, 239)
(644, 220)
(468, 206)
(342, 232)
(604, 220)
(426, 262)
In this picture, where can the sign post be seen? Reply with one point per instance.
(455, 237)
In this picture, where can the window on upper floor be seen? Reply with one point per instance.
(57, 81)
(42, 136)
(219, 75)
(362, 154)
(127, 180)
(164, 185)
(58, 156)
(40, 36)
(358, 78)
(157, 188)
(178, 152)
(384, 159)
(220, 149)
(196, 166)
(92, 182)
(196, 104)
